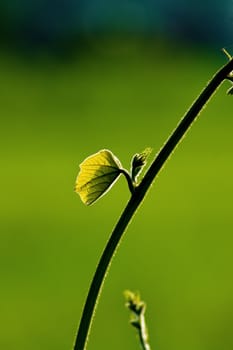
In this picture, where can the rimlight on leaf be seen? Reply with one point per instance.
(97, 174)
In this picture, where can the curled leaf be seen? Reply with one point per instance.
(97, 174)
(138, 162)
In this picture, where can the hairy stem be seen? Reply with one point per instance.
(137, 198)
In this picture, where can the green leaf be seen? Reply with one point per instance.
(97, 174)
(138, 162)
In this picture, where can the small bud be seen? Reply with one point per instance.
(134, 302)
(138, 162)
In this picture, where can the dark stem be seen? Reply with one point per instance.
(129, 180)
(137, 198)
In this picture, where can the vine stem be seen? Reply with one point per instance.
(143, 332)
(137, 197)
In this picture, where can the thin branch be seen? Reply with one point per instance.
(137, 308)
(137, 198)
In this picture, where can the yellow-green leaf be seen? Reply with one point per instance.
(97, 174)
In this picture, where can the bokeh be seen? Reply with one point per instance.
(80, 76)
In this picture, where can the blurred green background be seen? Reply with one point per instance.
(122, 93)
